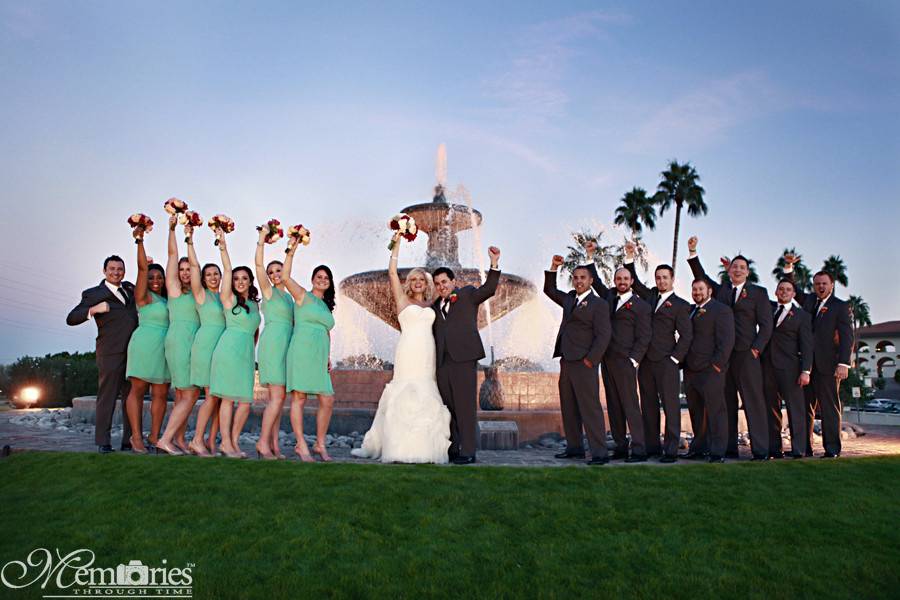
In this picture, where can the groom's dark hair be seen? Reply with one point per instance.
(446, 271)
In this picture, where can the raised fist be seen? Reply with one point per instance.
(791, 259)
(590, 247)
(494, 253)
(692, 243)
(630, 248)
(556, 262)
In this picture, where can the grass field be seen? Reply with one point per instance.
(283, 530)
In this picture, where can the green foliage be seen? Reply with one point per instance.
(897, 375)
(606, 258)
(880, 383)
(855, 378)
(60, 376)
(680, 187)
(636, 211)
(752, 277)
(802, 273)
(835, 266)
(279, 529)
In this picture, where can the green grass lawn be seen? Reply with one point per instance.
(812, 528)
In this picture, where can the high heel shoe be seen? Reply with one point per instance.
(199, 449)
(265, 455)
(168, 448)
(236, 454)
(304, 454)
(320, 450)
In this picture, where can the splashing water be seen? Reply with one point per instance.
(440, 165)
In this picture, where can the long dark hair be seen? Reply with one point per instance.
(252, 292)
(155, 267)
(203, 273)
(328, 297)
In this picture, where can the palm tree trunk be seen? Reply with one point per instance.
(677, 229)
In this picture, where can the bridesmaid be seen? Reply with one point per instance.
(183, 325)
(205, 288)
(309, 365)
(146, 350)
(278, 310)
(233, 362)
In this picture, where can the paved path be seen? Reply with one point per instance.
(878, 440)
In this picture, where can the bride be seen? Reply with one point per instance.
(411, 425)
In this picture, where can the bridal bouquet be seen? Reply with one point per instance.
(299, 233)
(174, 206)
(193, 219)
(406, 225)
(221, 222)
(274, 232)
(141, 221)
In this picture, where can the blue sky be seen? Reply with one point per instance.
(330, 116)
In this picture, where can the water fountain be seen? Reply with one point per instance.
(441, 221)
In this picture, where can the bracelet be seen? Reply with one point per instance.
(138, 240)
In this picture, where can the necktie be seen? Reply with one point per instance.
(122, 293)
(658, 304)
(444, 308)
(694, 312)
(818, 308)
(734, 297)
(778, 314)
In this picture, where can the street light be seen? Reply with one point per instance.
(30, 395)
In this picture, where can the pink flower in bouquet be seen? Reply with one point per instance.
(222, 222)
(406, 225)
(141, 221)
(174, 206)
(274, 231)
(299, 233)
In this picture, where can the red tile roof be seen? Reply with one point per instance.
(886, 329)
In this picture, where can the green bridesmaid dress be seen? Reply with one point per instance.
(276, 337)
(212, 324)
(147, 347)
(233, 363)
(307, 360)
(183, 325)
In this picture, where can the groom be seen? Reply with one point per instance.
(459, 349)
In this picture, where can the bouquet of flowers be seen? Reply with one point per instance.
(222, 222)
(406, 225)
(299, 233)
(141, 221)
(193, 219)
(274, 232)
(174, 206)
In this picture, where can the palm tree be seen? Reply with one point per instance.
(802, 274)
(605, 258)
(636, 211)
(834, 265)
(752, 276)
(859, 317)
(680, 187)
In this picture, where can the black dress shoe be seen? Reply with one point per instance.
(691, 456)
(598, 460)
(464, 460)
(105, 449)
(795, 456)
(125, 447)
(715, 459)
(829, 455)
(668, 458)
(568, 454)
(776, 455)
(809, 454)
(636, 458)
(619, 455)
(732, 454)
(759, 458)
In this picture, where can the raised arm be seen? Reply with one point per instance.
(196, 274)
(262, 278)
(489, 288)
(227, 293)
(550, 288)
(639, 288)
(697, 269)
(590, 248)
(400, 299)
(141, 297)
(790, 260)
(173, 284)
(297, 291)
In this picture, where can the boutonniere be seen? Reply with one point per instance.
(667, 304)
(701, 311)
(743, 293)
(628, 306)
(791, 313)
(453, 297)
(823, 310)
(582, 303)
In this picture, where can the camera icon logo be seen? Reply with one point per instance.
(134, 573)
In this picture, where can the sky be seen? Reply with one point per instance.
(330, 114)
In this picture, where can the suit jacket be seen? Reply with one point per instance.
(585, 329)
(791, 345)
(673, 316)
(457, 335)
(832, 331)
(631, 329)
(114, 328)
(713, 341)
(752, 312)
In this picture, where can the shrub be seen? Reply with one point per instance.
(61, 376)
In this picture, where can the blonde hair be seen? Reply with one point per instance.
(429, 283)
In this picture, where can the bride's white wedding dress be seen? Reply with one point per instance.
(411, 425)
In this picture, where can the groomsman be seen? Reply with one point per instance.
(669, 344)
(583, 337)
(704, 373)
(630, 318)
(787, 362)
(753, 328)
(111, 306)
(832, 335)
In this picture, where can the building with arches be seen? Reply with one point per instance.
(879, 348)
